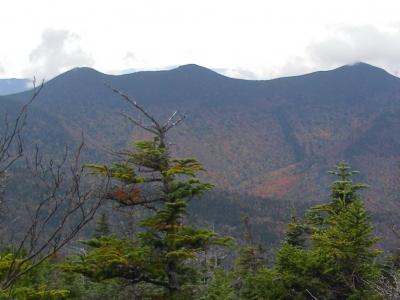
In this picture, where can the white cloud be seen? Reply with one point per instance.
(57, 52)
(236, 73)
(268, 38)
(2, 69)
(295, 66)
(341, 45)
(129, 56)
(350, 44)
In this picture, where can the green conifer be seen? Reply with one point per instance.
(339, 262)
(151, 178)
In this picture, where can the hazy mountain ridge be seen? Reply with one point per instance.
(273, 137)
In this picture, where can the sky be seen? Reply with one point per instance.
(241, 39)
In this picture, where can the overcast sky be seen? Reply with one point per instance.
(248, 39)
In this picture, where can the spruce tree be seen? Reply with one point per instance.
(339, 263)
(220, 287)
(102, 227)
(251, 259)
(295, 232)
(149, 177)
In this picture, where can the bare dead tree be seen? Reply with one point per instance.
(11, 144)
(44, 223)
(61, 203)
(387, 287)
(3, 180)
(10, 138)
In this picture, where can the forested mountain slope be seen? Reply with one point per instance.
(273, 138)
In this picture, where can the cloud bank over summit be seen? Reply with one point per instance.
(360, 43)
(57, 52)
(257, 39)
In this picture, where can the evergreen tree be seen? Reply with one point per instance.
(220, 287)
(295, 232)
(102, 227)
(338, 264)
(150, 177)
(34, 284)
(251, 258)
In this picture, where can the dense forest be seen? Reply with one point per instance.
(149, 225)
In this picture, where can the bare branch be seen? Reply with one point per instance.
(170, 119)
(387, 287)
(138, 123)
(64, 205)
(175, 123)
(392, 226)
(311, 294)
(12, 134)
(155, 126)
(133, 102)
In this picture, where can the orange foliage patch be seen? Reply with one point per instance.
(355, 124)
(278, 184)
(121, 195)
(323, 134)
(216, 178)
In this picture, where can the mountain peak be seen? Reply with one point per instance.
(83, 71)
(361, 67)
(191, 67)
(193, 70)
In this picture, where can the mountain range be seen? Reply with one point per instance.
(271, 138)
